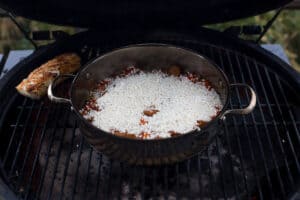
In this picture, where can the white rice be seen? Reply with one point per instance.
(180, 103)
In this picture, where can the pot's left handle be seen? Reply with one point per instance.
(251, 105)
(52, 84)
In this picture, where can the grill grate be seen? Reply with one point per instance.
(257, 156)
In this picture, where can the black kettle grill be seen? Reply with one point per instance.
(44, 156)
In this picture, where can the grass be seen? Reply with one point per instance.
(285, 31)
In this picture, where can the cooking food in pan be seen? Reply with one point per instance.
(36, 84)
(131, 114)
(152, 105)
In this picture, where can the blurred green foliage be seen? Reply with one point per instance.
(12, 38)
(285, 31)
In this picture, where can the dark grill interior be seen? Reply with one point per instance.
(256, 156)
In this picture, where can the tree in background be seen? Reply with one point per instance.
(285, 31)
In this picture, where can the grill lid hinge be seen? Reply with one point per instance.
(244, 30)
(48, 35)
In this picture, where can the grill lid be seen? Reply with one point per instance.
(137, 13)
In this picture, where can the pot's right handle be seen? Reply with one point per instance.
(52, 84)
(249, 108)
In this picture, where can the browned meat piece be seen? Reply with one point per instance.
(174, 134)
(36, 84)
(150, 113)
(174, 70)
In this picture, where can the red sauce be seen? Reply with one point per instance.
(102, 85)
(90, 105)
(143, 121)
(144, 135)
(206, 83)
(128, 71)
(201, 123)
(192, 77)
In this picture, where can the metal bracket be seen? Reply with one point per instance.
(269, 24)
(48, 35)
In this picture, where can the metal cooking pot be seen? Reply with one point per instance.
(149, 57)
